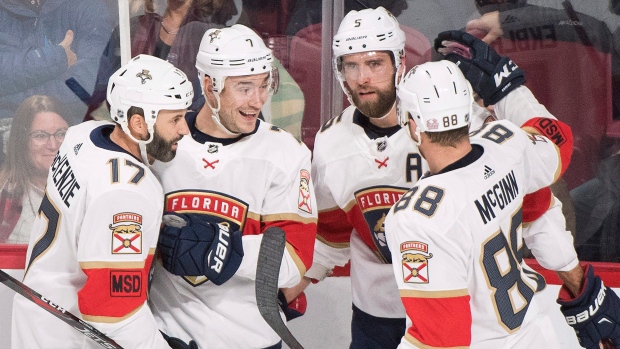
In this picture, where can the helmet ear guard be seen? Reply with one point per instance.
(437, 96)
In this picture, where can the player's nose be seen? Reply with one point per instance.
(183, 129)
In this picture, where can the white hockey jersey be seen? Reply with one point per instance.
(357, 180)
(544, 225)
(456, 245)
(92, 246)
(252, 182)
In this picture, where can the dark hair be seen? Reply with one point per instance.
(200, 10)
(17, 169)
(134, 110)
(449, 138)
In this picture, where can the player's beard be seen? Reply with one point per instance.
(378, 108)
(160, 149)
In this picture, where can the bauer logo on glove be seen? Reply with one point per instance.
(221, 250)
(592, 309)
(594, 314)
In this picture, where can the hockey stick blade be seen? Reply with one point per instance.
(56, 310)
(267, 271)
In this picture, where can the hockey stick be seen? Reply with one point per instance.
(56, 310)
(267, 271)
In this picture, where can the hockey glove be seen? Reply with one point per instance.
(176, 343)
(190, 245)
(594, 314)
(491, 76)
(294, 309)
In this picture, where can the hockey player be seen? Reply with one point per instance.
(457, 234)
(362, 164)
(542, 212)
(92, 245)
(232, 178)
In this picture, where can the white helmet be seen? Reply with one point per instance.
(149, 83)
(437, 96)
(233, 51)
(364, 31)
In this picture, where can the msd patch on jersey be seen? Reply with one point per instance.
(125, 283)
(375, 203)
(126, 233)
(415, 258)
(551, 130)
(305, 203)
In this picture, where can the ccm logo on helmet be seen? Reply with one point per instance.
(221, 249)
(592, 309)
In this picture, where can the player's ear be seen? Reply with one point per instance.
(207, 88)
(137, 126)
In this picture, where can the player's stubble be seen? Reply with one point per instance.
(160, 149)
(378, 108)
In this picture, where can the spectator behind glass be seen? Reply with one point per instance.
(309, 12)
(546, 43)
(174, 36)
(561, 50)
(597, 208)
(50, 41)
(37, 131)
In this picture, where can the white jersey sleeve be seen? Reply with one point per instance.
(549, 241)
(519, 106)
(540, 157)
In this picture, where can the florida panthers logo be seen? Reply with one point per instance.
(215, 35)
(144, 75)
(415, 258)
(379, 230)
(126, 233)
(374, 203)
(305, 201)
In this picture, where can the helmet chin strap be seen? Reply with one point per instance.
(216, 116)
(141, 144)
(388, 113)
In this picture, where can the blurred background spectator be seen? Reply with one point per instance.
(309, 12)
(173, 36)
(573, 66)
(597, 208)
(43, 43)
(172, 30)
(38, 129)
